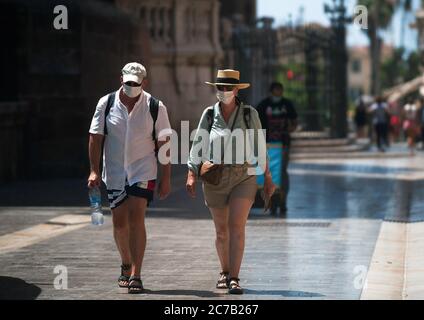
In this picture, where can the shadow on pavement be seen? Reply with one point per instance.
(17, 289)
(284, 293)
(197, 293)
(210, 294)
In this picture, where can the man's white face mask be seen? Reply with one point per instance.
(130, 91)
(225, 96)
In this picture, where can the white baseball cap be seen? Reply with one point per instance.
(134, 72)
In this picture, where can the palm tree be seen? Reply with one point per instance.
(380, 13)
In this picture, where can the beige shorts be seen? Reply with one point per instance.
(235, 183)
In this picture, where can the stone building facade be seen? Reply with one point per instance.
(185, 52)
(359, 69)
(52, 79)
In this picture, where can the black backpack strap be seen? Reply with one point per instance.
(210, 114)
(154, 111)
(247, 116)
(246, 112)
(110, 101)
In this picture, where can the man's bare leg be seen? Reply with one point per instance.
(137, 233)
(120, 217)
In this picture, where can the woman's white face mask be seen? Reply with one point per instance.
(131, 92)
(225, 96)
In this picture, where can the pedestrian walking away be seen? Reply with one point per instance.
(129, 126)
(411, 124)
(229, 193)
(380, 120)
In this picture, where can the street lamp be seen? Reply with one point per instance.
(337, 13)
(338, 19)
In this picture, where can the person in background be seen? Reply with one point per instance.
(421, 117)
(380, 121)
(395, 126)
(411, 124)
(361, 119)
(279, 117)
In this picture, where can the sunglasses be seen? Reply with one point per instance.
(225, 88)
(132, 84)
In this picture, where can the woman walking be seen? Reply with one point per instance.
(229, 190)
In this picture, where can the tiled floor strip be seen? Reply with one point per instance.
(397, 265)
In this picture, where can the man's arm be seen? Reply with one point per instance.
(292, 125)
(94, 152)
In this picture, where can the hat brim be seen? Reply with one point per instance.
(132, 77)
(237, 85)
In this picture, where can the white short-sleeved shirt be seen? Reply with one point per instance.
(129, 150)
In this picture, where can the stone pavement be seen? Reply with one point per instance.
(295, 259)
(321, 250)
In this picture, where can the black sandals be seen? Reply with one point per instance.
(222, 282)
(123, 280)
(234, 286)
(135, 285)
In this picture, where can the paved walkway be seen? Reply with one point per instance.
(322, 250)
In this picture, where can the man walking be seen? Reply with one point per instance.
(279, 118)
(129, 125)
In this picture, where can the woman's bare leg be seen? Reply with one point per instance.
(220, 219)
(239, 212)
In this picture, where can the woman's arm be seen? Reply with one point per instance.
(200, 145)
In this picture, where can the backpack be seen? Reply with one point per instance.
(154, 110)
(380, 114)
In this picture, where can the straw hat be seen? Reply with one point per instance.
(229, 77)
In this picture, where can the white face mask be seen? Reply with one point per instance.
(131, 92)
(225, 96)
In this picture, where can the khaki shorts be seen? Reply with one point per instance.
(235, 183)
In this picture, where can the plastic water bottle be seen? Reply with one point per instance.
(95, 197)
